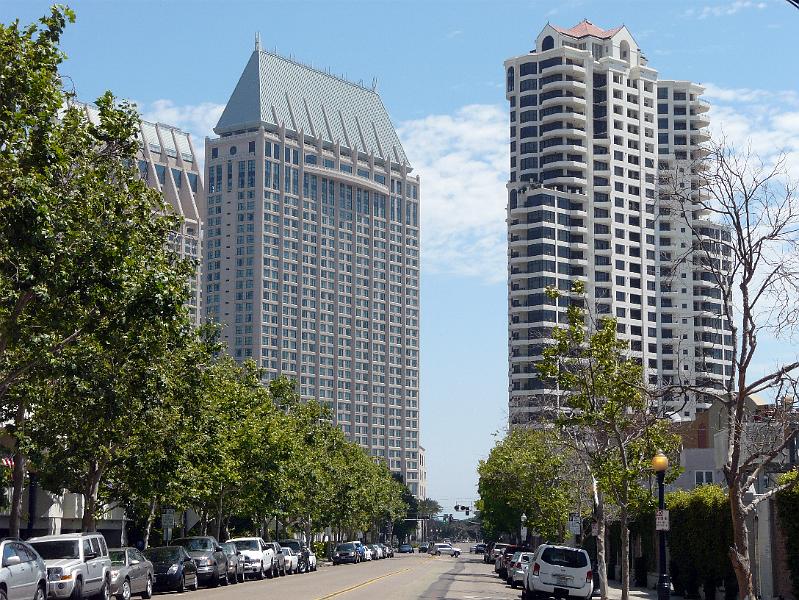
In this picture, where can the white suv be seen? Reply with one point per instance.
(78, 565)
(559, 571)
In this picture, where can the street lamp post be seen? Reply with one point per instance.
(660, 463)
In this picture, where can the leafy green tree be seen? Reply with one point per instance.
(605, 413)
(696, 557)
(524, 475)
(77, 228)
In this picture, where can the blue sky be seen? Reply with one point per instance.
(438, 64)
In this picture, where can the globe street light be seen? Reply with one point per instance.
(660, 463)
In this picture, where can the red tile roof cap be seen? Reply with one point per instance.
(586, 28)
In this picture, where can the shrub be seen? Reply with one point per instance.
(788, 511)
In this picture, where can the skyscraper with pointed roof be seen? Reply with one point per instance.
(312, 252)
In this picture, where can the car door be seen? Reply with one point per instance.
(144, 569)
(134, 571)
(30, 576)
(14, 569)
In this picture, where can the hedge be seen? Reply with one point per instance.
(788, 511)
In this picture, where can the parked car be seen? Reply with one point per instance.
(77, 564)
(559, 571)
(377, 551)
(235, 562)
(441, 548)
(131, 574)
(405, 549)
(280, 560)
(387, 550)
(517, 568)
(503, 559)
(292, 560)
(306, 558)
(209, 557)
(360, 548)
(346, 553)
(259, 557)
(23, 573)
(367, 552)
(424, 547)
(174, 569)
(492, 555)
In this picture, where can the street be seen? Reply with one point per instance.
(406, 577)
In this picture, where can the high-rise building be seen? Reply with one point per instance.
(168, 163)
(594, 135)
(312, 252)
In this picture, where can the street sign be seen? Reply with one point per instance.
(575, 525)
(168, 518)
(662, 520)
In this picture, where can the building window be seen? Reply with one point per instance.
(703, 477)
(548, 43)
(510, 79)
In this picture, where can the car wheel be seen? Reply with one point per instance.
(148, 590)
(77, 591)
(105, 591)
(3, 595)
(513, 584)
(196, 585)
(40, 593)
(215, 579)
(181, 584)
(124, 592)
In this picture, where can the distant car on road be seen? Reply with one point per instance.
(131, 574)
(480, 549)
(439, 549)
(424, 547)
(405, 549)
(306, 558)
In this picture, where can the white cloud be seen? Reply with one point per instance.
(724, 9)
(765, 121)
(462, 160)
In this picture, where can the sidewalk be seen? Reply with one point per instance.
(614, 592)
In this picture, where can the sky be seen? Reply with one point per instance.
(438, 68)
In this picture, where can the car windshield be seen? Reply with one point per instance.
(117, 557)
(564, 557)
(515, 557)
(246, 545)
(162, 555)
(56, 549)
(345, 548)
(229, 548)
(293, 544)
(196, 544)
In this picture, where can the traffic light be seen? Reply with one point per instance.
(457, 507)
(467, 512)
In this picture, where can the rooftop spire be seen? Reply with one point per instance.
(257, 41)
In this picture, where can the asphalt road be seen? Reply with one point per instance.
(405, 577)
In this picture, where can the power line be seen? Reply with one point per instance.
(794, 3)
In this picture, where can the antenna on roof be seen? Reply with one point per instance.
(374, 84)
(257, 41)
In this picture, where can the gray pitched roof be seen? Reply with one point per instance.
(274, 90)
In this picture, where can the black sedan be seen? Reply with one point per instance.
(405, 549)
(174, 568)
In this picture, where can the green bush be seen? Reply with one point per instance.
(699, 539)
(788, 511)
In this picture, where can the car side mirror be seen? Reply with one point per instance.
(135, 561)
(11, 561)
(238, 553)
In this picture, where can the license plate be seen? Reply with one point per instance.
(561, 579)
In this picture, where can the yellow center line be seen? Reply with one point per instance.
(363, 584)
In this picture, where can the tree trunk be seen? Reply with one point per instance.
(18, 479)
(90, 499)
(601, 552)
(739, 553)
(150, 520)
(625, 555)
(219, 514)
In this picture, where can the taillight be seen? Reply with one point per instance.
(536, 569)
(589, 577)
(518, 565)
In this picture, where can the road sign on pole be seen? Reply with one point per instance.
(168, 518)
(662, 520)
(575, 524)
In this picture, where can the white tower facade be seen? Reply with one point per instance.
(584, 204)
